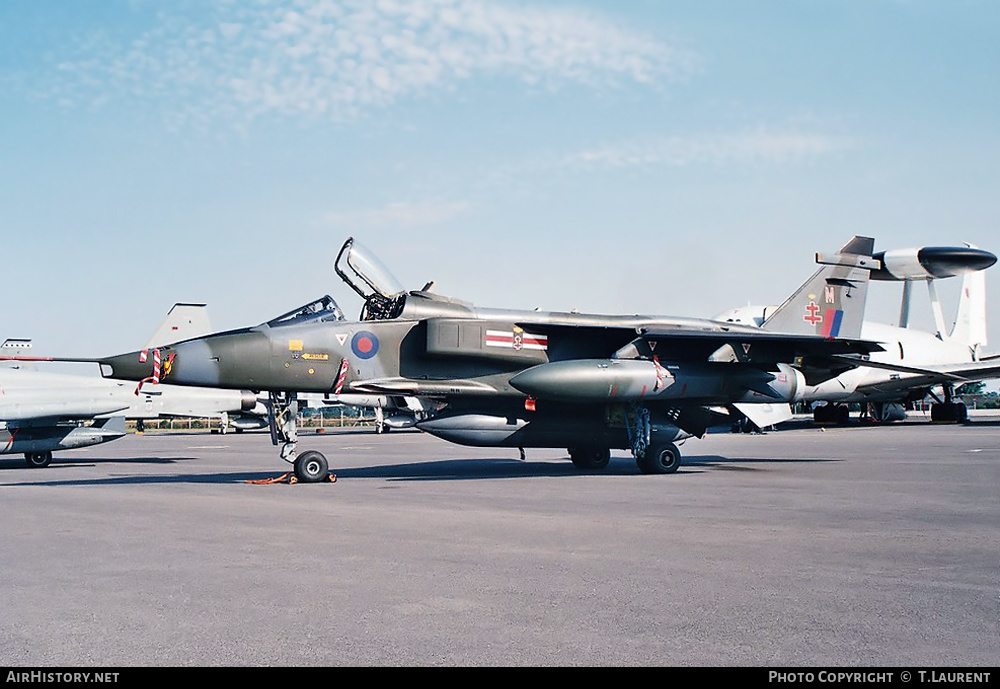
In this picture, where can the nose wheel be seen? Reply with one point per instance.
(311, 467)
(282, 410)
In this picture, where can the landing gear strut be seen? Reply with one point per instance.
(282, 411)
(653, 449)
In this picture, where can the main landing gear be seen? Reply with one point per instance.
(38, 460)
(652, 445)
(282, 411)
(948, 411)
(661, 457)
(590, 458)
(831, 412)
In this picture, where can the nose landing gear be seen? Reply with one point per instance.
(282, 410)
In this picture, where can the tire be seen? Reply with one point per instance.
(950, 412)
(660, 458)
(37, 460)
(311, 467)
(590, 458)
(961, 412)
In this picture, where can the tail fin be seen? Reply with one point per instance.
(970, 322)
(16, 347)
(183, 322)
(831, 303)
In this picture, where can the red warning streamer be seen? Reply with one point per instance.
(155, 378)
(341, 377)
(659, 372)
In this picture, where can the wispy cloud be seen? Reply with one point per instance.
(747, 148)
(336, 59)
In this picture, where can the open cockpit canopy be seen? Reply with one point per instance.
(365, 274)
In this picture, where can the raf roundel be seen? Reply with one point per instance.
(364, 345)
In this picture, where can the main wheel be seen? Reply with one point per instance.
(950, 412)
(590, 458)
(961, 412)
(311, 466)
(660, 458)
(37, 460)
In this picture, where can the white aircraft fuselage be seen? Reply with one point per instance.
(903, 346)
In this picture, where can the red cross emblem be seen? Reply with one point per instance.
(812, 317)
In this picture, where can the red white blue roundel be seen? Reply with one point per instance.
(364, 345)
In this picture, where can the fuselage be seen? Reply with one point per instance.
(433, 341)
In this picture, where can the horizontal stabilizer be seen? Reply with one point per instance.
(764, 415)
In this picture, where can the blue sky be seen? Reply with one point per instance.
(644, 157)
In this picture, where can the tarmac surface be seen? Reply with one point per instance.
(859, 546)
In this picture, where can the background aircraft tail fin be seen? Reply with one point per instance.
(16, 347)
(970, 322)
(183, 322)
(831, 302)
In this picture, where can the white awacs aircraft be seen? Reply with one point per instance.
(915, 363)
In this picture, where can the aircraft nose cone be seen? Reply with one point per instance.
(131, 366)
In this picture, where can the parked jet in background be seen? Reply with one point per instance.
(522, 379)
(914, 363)
(391, 412)
(42, 412)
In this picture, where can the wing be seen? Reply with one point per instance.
(744, 344)
(915, 377)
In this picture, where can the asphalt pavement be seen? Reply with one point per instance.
(859, 546)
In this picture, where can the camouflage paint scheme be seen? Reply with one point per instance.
(585, 382)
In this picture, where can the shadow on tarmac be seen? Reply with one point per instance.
(433, 470)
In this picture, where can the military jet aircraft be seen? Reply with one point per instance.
(914, 362)
(44, 412)
(41, 412)
(520, 379)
